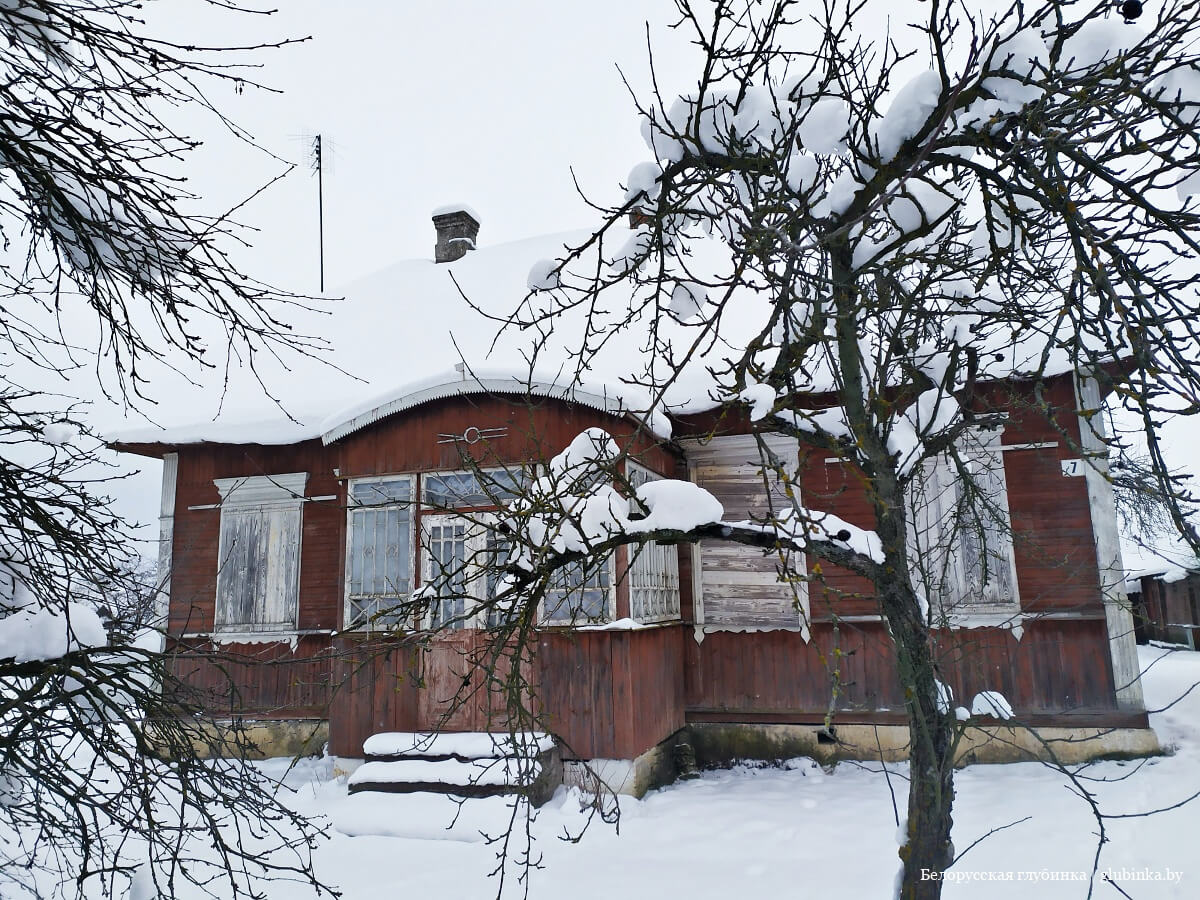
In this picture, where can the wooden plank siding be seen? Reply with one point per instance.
(257, 680)
(1056, 669)
(1166, 608)
(614, 694)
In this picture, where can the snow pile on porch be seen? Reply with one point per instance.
(464, 745)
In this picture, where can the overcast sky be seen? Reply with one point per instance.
(426, 103)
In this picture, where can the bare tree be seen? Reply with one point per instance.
(855, 237)
(101, 785)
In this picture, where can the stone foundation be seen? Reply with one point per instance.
(631, 777)
(269, 737)
(722, 744)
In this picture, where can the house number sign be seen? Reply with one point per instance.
(1072, 468)
(472, 435)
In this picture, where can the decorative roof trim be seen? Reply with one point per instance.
(465, 386)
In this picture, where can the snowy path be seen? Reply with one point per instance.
(800, 832)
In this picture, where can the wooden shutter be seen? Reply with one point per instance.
(962, 547)
(258, 583)
(258, 574)
(739, 585)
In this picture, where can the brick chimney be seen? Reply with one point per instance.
(457, 227)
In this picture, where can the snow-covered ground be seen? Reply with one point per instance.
(795, 831)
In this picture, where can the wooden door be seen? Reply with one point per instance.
(450, 695)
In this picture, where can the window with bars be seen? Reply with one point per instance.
(446, 559)
(379, 547)
(579, 594)
(962, 553)
(461, 560)
(653, 572)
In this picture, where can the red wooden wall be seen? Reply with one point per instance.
(1058, 671)
(615, 694)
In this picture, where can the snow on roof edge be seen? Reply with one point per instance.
(604, 397)
(268, 432)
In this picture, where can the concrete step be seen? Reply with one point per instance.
(463, 746)
(475, 764)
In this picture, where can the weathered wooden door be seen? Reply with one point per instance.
(449, 697)
(453, 693)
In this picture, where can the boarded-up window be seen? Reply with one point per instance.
(258, 574)
(738, 585)
(379, 550)
(962, 552)
(653, 571)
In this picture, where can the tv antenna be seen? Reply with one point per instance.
(320, 159)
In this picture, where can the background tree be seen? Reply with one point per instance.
(108, 264)
(859, 239)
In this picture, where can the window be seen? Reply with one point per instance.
(258, 568)
(379, 541)
(579, 595)
(458, 490)
(653, 569)
(738, 586)
(460, 561)
(963, 546)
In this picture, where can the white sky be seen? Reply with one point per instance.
(489, 104)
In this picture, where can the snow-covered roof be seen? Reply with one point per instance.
(1167, 558)
(395, 340)
(399, 332)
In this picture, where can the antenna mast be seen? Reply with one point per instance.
(318, 163)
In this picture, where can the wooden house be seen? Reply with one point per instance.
(272, 552)
(1166, 605)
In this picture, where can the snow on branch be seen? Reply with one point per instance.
(577, 511)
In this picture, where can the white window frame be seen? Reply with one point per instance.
(428, 507)
(653, 567)
(478, 529)
(278, 501)
(355, 619)
(941, 487)
(610, 602)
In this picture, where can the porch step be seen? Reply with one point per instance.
(463, 745)
(465, 764)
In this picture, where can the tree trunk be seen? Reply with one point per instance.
(928, 851)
